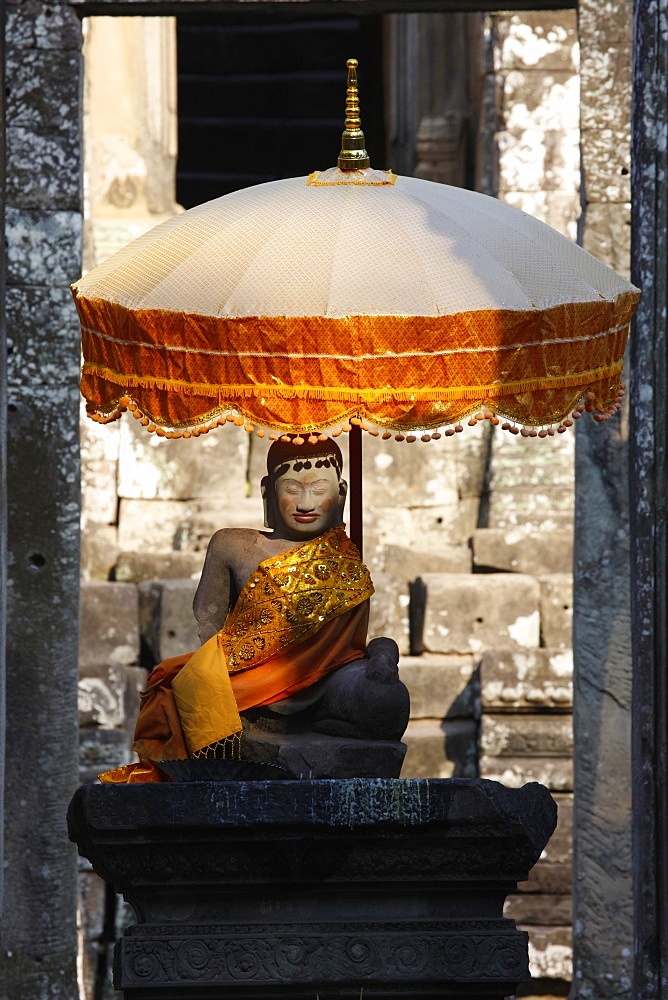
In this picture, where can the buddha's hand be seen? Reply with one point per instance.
(383, 657)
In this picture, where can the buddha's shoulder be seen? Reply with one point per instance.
(226, 538)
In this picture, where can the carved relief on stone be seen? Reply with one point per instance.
(130, 129)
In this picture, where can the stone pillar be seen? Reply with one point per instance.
(403, 92)
(603, 944)
(43, 235)
(648, 502)
(447, 104)
(3, 476)
(130, 129)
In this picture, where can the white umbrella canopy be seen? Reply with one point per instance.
(353, 294)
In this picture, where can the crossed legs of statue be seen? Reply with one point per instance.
(362, 700)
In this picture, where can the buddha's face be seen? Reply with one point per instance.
(309, 496)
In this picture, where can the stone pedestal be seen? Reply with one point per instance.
(342, 888)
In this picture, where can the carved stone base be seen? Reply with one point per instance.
(332, 889)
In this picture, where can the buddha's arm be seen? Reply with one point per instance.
(214, 593)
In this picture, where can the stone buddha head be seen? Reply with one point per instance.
(303, 492)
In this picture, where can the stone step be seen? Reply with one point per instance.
(442, 686)
(445, 749)
(556, 610)
(556, 773)
(137, 567)
(168, 625)
(468, 614)
(109, 624)
(526, 680)
(517, 551)
(530, 509)
(526, 735)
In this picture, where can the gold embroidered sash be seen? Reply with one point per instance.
(291, 596)
(288, 600)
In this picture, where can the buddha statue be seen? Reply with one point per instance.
(282, 616)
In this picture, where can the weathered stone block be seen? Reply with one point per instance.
(98, 551)
(531, 509)
(406, 562)
(550, 879)
(212, 465)
(606, 93)
(546, 102)
(470, 614)
(526, 680)
(101, 696)
(43, 109)
(42, 247)
(526, 735)
(531, 155)
(46, 26)
(555, 773)
(433, 528)
(409, 475)
(467, 519)
(146, 525)
(57, 154)
(471, 451)
(52, 359)
(92, 893)
(556, 610)
(137, 567)
(532, 38)
(608, 179)
(607, 234)
(551, 953)
(100, 750)
(441, 686)
(534, 553)
(99, 472)
(389, 611)
(559, 850)
(447, 749)
(168, 624)
(109, 696)
(539, 908)
(522, 462)
(602, 25)
(109, 624)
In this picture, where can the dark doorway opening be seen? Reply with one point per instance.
(261, 98)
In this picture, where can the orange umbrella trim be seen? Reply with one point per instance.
(293, 372)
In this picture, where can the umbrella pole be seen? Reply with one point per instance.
(355, 494)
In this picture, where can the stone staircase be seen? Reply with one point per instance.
(483, 520)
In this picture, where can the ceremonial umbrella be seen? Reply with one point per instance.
(353, 298)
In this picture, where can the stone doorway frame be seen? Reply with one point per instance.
(39, 413)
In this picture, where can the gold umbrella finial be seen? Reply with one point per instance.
(353, 155)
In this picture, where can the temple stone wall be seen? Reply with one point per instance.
(483, 519)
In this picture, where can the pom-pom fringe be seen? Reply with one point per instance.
(589, 404)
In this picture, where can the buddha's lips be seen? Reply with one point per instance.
(305, 518)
